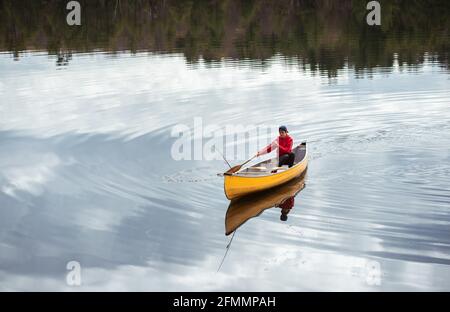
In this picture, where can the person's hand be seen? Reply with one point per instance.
(275, 143)
(258, 154)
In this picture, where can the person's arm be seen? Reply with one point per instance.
(268, 148)
(288, 147)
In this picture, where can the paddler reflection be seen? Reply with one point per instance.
(242, 209)
(286, 207)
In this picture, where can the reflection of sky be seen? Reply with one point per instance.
(85, 149)
(130, 95)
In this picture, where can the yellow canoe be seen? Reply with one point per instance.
(261, 177)
(242, 209)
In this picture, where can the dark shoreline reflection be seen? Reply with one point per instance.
(317, 36)
(242, 209)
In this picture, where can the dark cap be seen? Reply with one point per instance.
(282, 128)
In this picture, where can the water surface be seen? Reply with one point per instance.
(86, 171)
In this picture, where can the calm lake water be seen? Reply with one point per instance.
(87, 175)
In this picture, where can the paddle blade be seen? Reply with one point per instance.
(238, 167)
(234, 169)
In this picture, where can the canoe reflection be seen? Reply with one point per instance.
(242, 209)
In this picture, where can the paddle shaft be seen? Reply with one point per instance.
(238, 167)
(248, 161)
(223, 158)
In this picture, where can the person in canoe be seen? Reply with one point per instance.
(284, 144)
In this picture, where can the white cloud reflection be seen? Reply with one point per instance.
(120, 96)
(31, 176)
(280, 269)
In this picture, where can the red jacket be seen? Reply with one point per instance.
(284, 146)
(288, 203)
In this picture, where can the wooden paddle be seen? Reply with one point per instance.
(238, 167)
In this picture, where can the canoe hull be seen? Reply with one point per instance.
(236, 186)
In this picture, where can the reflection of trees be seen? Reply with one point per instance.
(322, 35)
